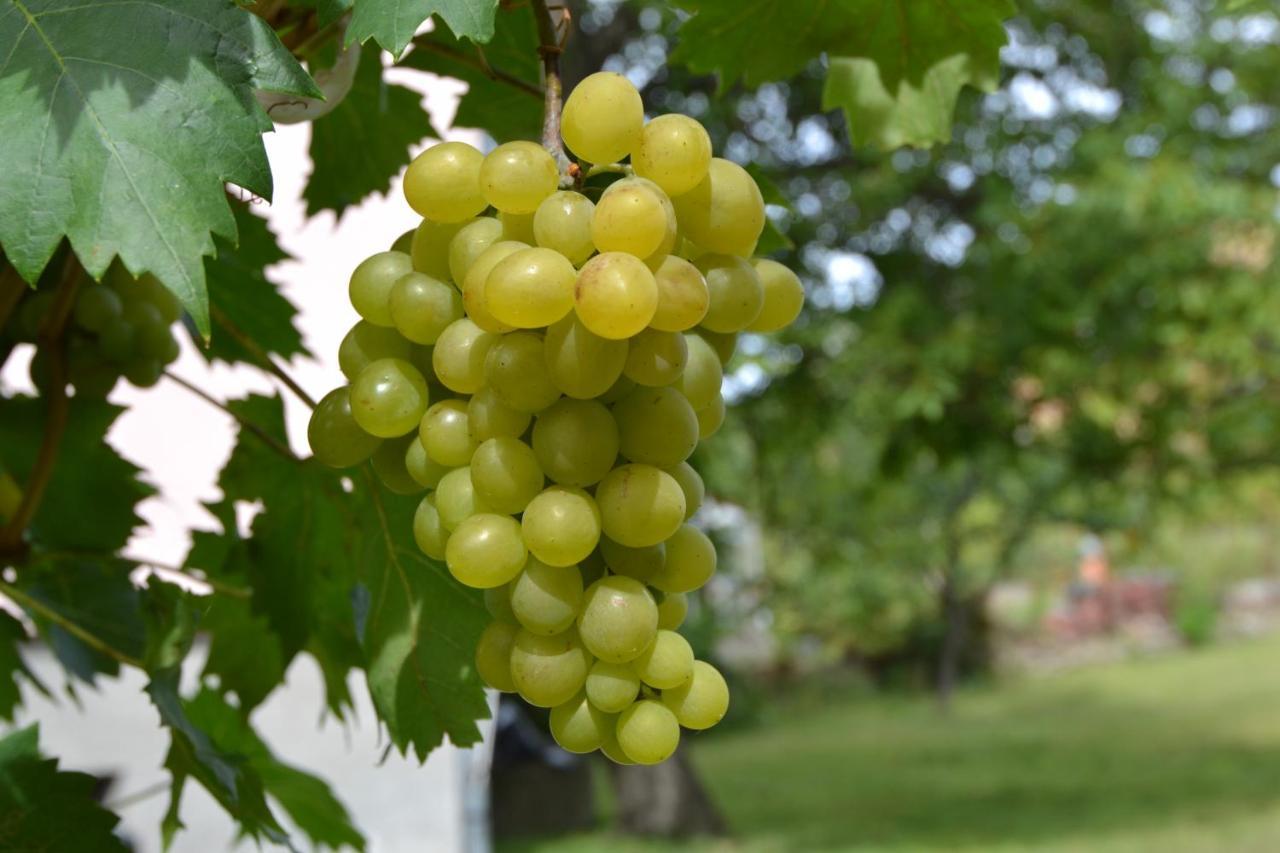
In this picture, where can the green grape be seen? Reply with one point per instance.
(485, 550)
(469, 243)
(629, 219)
(517, 176)
(517, 227)
(640, 505)
(428, 532)
(561, 526)
(736, 293)
(530, 288)
(493, 655)
(703, 373)
(562, 223)
(711, 418)
(667, 662)
(577, 726)
(456, 499)
(489, 417)
(116, 341)
(388, 397)
(497, 600)
(88, 373)
(443, 182)
(616, 295)
(691, 561)
(702, 701)
(648, 732)
(783, 296)
(724, 212)
(656, 358)
(516, 368)
(672, 610)
(476, 282)
(143, 372)
(151, 336)
(617, 391)
(611, 687)
(576, 442)
(603, 117)
(371, 283)
(682, 295)
(611, 748)
(424, 471)
(505, 474)
(619, 619)
(31, 315)
(446, 435)
(459, 356)
(671, 234)
(691, 484)
(723, 344)
(548, 671)
(592, 568)
(335, 437)
(404, 243)
(170, 350)
(545, 599)
(582, 364)
(656, 426)
(422, 307)
(389, 463)
(430, 245)
(366, 343)
(674, 152)
(638, 563)
(97, 307)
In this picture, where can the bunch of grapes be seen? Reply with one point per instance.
(546, 371)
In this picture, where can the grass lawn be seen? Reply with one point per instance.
(1172, 754)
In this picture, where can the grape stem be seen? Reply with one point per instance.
(264, 359)
(258, 431)
(609, 168)
(550, 48)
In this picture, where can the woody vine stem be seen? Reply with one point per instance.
(550, 46)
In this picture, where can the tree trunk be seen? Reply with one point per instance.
(666, 800)
(954, 637)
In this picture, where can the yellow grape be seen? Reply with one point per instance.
(388, 397)
(723, 343)
(371, 283)
(683, 297)
(603, 117)
(690, 563)
(578, 726)
(674, 152)
(545, 599)
(616, 295)
(422, 307)
(459, 356)
(473, 287)
(640, 505)
(562, 223)
(656, 426)
(516, 369)
(456, 498)
(576, 442)
(618, 619)
(485, 550)
(428, 532)
(736, 293)
(582, 364)
(517, 226)
(724, 212)
(691, 484)
(638, 563)
(702, 701)
(783, 296)
(424, 471)
(561, 526)
(610, 747)
(656, 358)
(648, 732)
(711, 418)
(429, 247)
(672, 610)
(470, 243)
(505, 474)
(516, 176)
(667, 662)
(530, 288)
(703, 374)
(445, 433)
(489, 417)
(629, 219)
(619, 389)
(611, 687)
(548, 671)
(443, 182)
(493, 655)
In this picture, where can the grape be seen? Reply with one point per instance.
(723, 344)
(422, 307)
(656, 426)
(638, 563)
(616, 295)
(445, 434)
(493, 655)
(443, 182)
(489, 417)
(724, 212)
(497, 600)
(711, 418)
(561, 526)
(562, 223)
(530, 288)
(143, 372)
(672, 610)
(603, 117)
(618, 620)
(736, 293)
(517, 227)
(473, 287)
(428, 532)
(404, 243)
(582, 364)
(456, 498)
(424, 471)
(459, 356)
(505, 474)
(371, 283)
(671, 234)
(516, 368)
(548, 671)
(389, 397)
(691, 484)
(516, 176)
(674, 152)
(648, 732)
(617, 391)
(682, 295)
(335, 437)
(165, 300)
(577, 726)
(576, 442)
(703, 374)
(429, 247)
(640, 505)
(88, 373)
(702, 701)
(390, 464)
(592, 568)
(545, 599)
(366, 343)
(690, 563)
(97, 306)
(469, 243)
(783, 296)
(116, 340)
(610, 747)
(611, 687)
(667, 662)
(656, 358)
(486, 550)
(629, 219)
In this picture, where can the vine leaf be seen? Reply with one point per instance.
(44, 808)
(12, 635)
(392, 23)
(123, 121)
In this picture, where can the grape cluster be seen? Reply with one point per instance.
(546, 371)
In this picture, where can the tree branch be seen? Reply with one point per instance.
(550, 48)
(265, 361)
(495, 74)
(91, 640)
(258, 431)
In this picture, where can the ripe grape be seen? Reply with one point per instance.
(470, 243)
(456, 499)
(672, 610)
(443, 182)
(390, 464)
(97, 307)
(783, 296)
(648, 732)
(459, 356)
(576, 442)
(516, 368)
(516, 176)
(548, 671)
(445, 433)
(618, 619)
(723, 343)
(655, 357)
(505, 474)
(530, 288)
(656, 426)
(517, 227)
(473, 287)
(616, 295)
(667, 662)
(425, 471)
(736, 293)
(603, 117)
(428, 532)
(335, 437)
(497, 600)
(703, 374)
(640, 505)
(674, 152)
(429, 246)
(545, 599)
(711, 418)
(724, 212)
(690, 563)
(388, 397)
(611, 687)
(422, 307)
(493, 655)
(578, 726)
(561, 525)
(562, 223)
(638, 563)
(610, 747)
(366, 343)
(489, 417)
(683, 298)
(371, 283)
(582, 364)
(629, 219)
(701, 702)
(691, 484)
(486, 550)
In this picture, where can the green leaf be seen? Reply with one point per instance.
(328, 11)
(122, 127)
(243, 651)
(46, 809)
(502, 110)
(359, 147)
(12, 636)
(392, 23)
